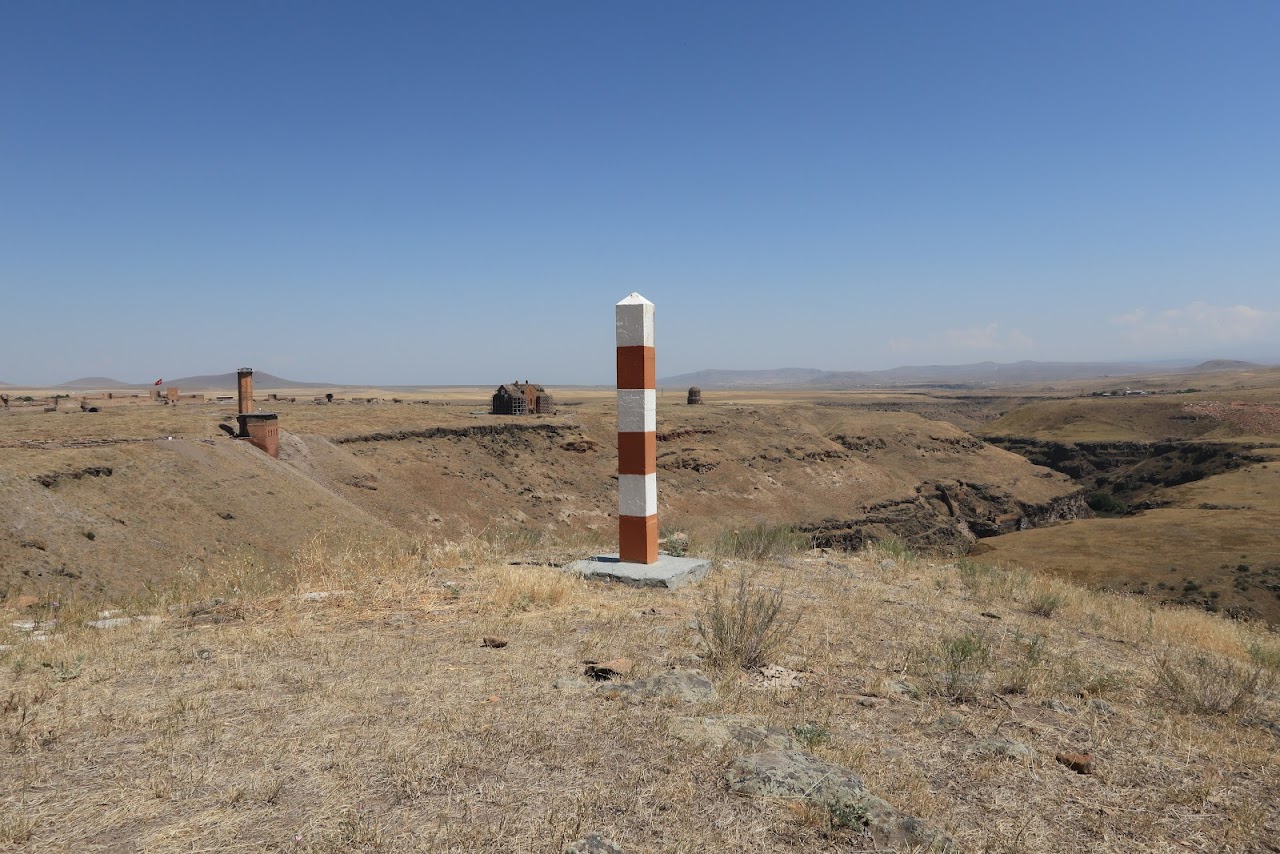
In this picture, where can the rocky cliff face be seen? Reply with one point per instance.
(1132, 472)
(946, 517)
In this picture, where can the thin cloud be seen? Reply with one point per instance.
(1198, 323)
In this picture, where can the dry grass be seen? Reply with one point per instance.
(745, 624)
(1209, 684)
(760, 542)
(374, 720)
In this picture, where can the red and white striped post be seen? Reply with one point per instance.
(637, 421)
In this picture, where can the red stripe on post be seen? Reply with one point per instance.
(637, 453)
(636, 368)
(638, 539)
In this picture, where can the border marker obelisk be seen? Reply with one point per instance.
(637, 424)
(638, 561)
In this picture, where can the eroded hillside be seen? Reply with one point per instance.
(1189, 484)
(181, 504)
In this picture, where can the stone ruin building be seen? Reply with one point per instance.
(260, 429)
(522, 399)
(695, 395)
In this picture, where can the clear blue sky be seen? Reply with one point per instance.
(460, 192)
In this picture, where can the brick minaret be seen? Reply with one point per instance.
(244, 379)
(637, 421)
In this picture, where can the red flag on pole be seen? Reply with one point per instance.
(158, 382)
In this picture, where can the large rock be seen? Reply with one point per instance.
(1002, 748)
(594, 843)
(794, 775)
(674, 686)
(720, 731)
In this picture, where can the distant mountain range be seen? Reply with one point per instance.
(979, 373)
(976, 374)
(261, 379)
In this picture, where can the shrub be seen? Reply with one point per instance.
(895, 548)
(1030, 665)
(1106, 504)
(1266, 655)
(811, 735)
(674, 541)
(760, 542)
(746, 625)
(1045, 603)
(965, 660)
(973, 575)
(1208, 685)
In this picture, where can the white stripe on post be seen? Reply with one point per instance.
(637, 410)
(637, 494)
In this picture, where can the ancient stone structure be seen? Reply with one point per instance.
(244, 385)
(171, 394)
(261, 429)
(695, 395)
(522, 398)
(637, 424)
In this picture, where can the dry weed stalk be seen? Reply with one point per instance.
(746, 627)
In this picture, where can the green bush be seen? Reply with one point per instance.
(1268, 655)
(1106, 503)
(895, 548)
(966, 660)
(1031, 664)
(811, 735)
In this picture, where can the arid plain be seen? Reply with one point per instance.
(953, 631)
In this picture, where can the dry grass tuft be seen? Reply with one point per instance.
(1046, 602)
(1209, 684)
(760, 542)
(743, 627)
(513, 589)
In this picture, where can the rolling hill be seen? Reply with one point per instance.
(86, 383)
(261, 379)
(980, 373)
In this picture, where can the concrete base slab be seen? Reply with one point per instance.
(668, 571)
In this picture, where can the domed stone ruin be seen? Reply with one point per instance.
(695, 395)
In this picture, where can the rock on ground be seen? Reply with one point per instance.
(674, 686)
(719, 731)
(593, 843)
(795, 775)
(1003, 747)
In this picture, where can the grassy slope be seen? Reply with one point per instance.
(1162, 550)
(375, 721)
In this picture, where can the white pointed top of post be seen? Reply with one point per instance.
(635, 322)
